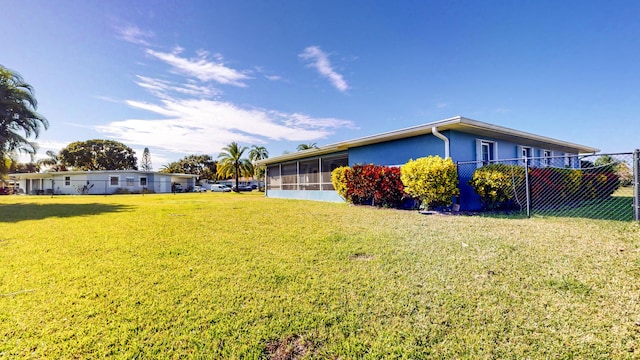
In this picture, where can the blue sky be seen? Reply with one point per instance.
(188, 77)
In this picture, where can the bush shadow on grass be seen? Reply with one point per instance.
(13, 213)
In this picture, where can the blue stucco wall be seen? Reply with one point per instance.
(463, 148)
(397, 152)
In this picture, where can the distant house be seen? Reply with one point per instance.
(307, 174)
(100, 182)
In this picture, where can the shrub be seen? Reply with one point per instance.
(499, 186)
(553, 185)
(599, 185)
(389, 189)
(625, 174)
(369, 185)
(431, 179)
(502, 186)
(339, 180)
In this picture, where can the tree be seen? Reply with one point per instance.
(98, 155)
(145, 164)
(18, 117)
(202, 165)
(256, 154)
(53, 162)
(29, 167)
(307, 146)
(232, 163)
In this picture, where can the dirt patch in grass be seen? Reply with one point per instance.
(362, 257)
(290, 348)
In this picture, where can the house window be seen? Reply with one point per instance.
(129, 181)
(289, 175)
(526, 152)
(143, 181)
(308, 172)
(486, 151)
(546, 158)
(67, 181)
(329, 164)
(273, 177)
(114, 180)
(568, 163)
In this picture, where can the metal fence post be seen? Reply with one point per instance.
(636, 184)
(527, 185)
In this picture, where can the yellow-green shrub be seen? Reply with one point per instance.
(339, 180)
(499, 185)
(432, 179)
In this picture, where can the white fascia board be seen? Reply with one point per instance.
(527, 137)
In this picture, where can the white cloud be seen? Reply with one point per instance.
(320, 61)
(204, 126)
(190, 118)
(261, 70)
(134, 34)
(273, 77)
(202, 68)
(161, 87)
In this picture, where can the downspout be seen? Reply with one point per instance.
(435, 132)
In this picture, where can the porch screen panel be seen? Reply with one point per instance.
(273, 179)
(328, 165)
(289, 176)
(309, 179)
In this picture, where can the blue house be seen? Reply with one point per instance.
(307, 174)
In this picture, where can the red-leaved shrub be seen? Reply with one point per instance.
(374, 185)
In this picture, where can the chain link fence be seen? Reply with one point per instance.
(603, 186)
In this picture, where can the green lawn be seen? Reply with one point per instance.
(619, 207)
(217, 275)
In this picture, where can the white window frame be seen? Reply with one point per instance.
(67, 181)
(111, 177)
(568, 160)
(143, 181)
(546, 157)
(492, 145)
(130, 181)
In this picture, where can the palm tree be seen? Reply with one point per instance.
(256, 154)
(232, 163)
(307, 146)
(18, 117)
(53, 162)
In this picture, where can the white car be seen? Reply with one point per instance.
(219, 188)
(199, 188)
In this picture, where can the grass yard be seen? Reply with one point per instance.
(619, 206)
(217, 275)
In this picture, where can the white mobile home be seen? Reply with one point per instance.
(100, 182)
